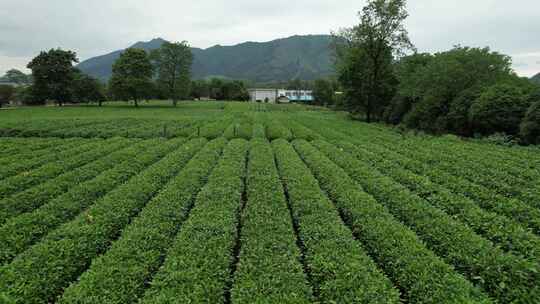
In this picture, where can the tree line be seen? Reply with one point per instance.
(164, 73)
(464, 91)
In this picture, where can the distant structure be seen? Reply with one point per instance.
(280, 95)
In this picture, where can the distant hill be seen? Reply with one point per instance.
(536, 78)
(304, 57)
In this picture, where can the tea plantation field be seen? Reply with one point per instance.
(252, 203)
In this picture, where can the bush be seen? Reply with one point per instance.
(530, 126)
(499, 108)
(6, 93)
(398, 108)
(26, 96)
(458, 114)
(501, 139)
(417, 118)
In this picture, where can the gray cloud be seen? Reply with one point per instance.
(95, 27)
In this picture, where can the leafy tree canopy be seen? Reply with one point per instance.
(17, 77)
(6, 93)
(53, 75)
(173, 65)
(365, 55)
(500, 108)
(132, 75)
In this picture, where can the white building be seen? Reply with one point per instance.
(281, 95)
(263, 95)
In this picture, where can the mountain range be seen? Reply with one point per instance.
(304, 57)
(536, 78)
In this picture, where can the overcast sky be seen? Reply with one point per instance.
(95, 27)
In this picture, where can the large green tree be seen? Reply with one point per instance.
(173, 66)
(500, 108)
(53, 75)
(365, 54)
(530, 126)
(132, 75)
(87, 89)
(443, 87)
(323, 92)
(6, 93)
(17, 77)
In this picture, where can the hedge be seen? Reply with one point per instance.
(269, 268)
(258, 131)
(67, 252)
(18, 233)
(120, 275)
(49, 155)
(421, 275)
(338, 267)
(198, 266)
(507, 233)
(508, 278)
(276, 130)
(76, 158)
(38, 195)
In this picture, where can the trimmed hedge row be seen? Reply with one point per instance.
(20, 232)
(510, 235)
(213, 130)
(239, 130)
(496, 179)
(338, 267)
(486, 199)
(41, 273)
(301, 132)
(49, 155)
(508, 278)
(104, 128)
(38, 195)
(11, 146)
(40, 128)
(197, 267)
(77, 158)
(258, 131)
(98, 128)
(119, 276)
(421, 275)
(477, 167)
(520, 168)
(269, 268)
(26, 149)
(276, 130)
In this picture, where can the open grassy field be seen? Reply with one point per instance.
(216, 202)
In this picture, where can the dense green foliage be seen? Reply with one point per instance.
(52, 72)
(17, 77)
(219, 89)
(6, 94)
(530, 127)
(365, 56)
(536, 79)
(172, 62)
(498, 109)
(86, 89)
(132, 74)
(324, 91)
(465, 91)
(437, 92)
